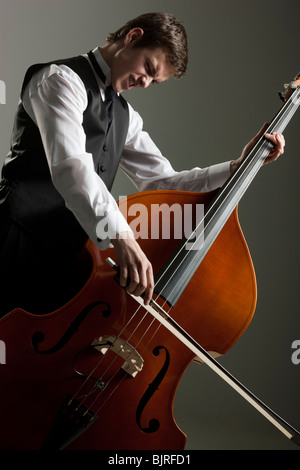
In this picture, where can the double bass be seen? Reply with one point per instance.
(101, 371)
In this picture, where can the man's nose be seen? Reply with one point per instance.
(144, 81)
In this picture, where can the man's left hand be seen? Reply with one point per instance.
(276, 138)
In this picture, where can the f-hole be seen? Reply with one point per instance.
(154, 423)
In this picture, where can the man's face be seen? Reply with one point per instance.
(134, 67)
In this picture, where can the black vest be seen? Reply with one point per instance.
(27, 194)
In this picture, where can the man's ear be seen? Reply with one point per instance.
(133, 35)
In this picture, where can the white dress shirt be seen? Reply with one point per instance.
(55, 99)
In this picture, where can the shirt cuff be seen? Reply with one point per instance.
(218, 174)
(108, 227)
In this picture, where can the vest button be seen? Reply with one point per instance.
(102, 168)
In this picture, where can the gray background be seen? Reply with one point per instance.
(241, 54)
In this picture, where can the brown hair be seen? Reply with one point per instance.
(160, 30)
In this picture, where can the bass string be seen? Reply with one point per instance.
(153, 321)
(94, 387)
(102, 358)
(111, 392)
(107, 387)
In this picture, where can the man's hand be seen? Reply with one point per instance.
(275, 138)
(135, 269)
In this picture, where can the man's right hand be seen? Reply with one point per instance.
(136, 272)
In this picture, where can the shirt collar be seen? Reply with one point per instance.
(105, 68)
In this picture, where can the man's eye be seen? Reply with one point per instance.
(150, 70)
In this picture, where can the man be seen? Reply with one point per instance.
(65, 151)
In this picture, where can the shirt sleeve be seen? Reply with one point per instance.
(148, 169)
(56, 100)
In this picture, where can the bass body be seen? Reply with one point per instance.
(101, 373)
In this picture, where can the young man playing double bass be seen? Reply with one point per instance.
(65, 151)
